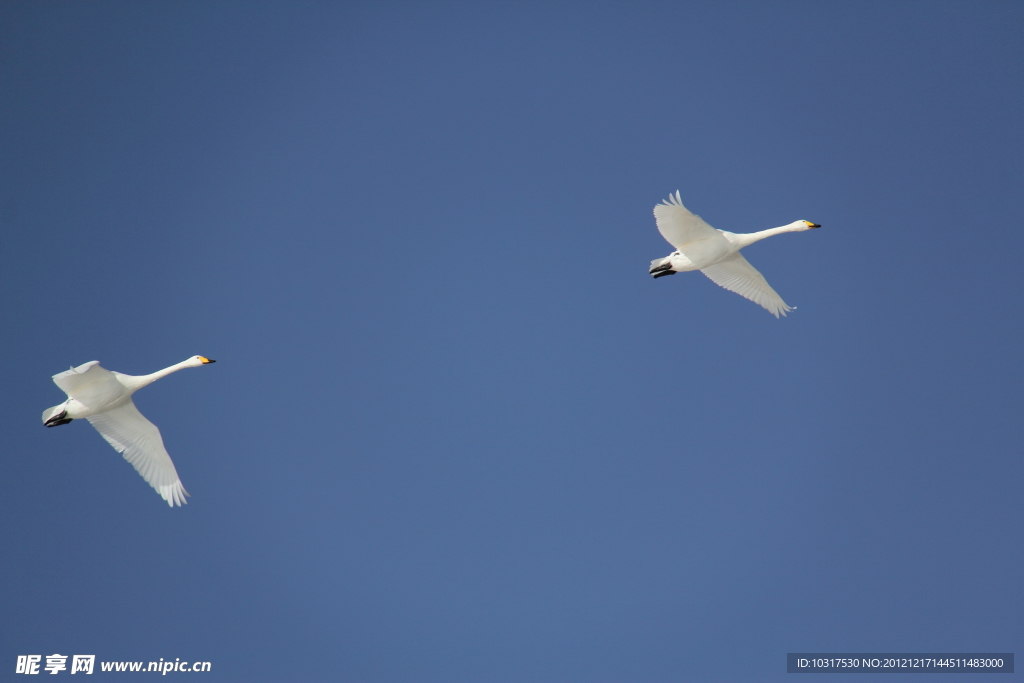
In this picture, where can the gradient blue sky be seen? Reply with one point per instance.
(456, 432)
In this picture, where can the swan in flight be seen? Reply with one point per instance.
(104, 398)
(716, 253)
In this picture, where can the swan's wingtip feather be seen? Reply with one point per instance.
(673, 199)
(173, 494)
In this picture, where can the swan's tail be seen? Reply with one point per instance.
(56, 416)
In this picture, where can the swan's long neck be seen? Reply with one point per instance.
(746, 239)
(140, 381)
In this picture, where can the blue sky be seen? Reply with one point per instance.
(456, 432)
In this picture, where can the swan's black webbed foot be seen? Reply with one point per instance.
(663, 273)
(59, 419)
(662, 269)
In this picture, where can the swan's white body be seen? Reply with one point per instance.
(104, 398)
(716, 253)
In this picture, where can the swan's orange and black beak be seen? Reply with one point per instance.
(206, 360)
(812, 225)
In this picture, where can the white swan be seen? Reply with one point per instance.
(716, 253)
(104, 398)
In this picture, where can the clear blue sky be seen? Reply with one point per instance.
(456, 432)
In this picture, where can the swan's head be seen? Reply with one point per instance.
(196, 361)
(806, 225)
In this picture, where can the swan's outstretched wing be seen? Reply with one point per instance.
(679, 226)
(737, 275)
(138, 440)
(89, 384)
